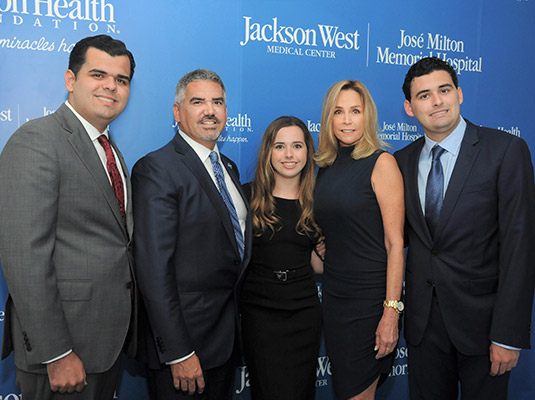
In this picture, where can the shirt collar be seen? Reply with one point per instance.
(202, 151)
(451, 144)
(90, 129)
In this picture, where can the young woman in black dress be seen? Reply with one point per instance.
(280, 310)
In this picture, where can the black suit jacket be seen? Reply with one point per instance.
(187, 256)
(481, 261)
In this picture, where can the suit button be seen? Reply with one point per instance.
(434, 252)
(237, 261)
(129, 285)
(430, 282)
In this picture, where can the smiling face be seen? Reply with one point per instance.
(203, 112)
(435, 102)
(289, 153)
(348, 118)
(100, 90)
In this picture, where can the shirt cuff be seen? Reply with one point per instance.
(58, 357)
(506, 346)
(179, 360)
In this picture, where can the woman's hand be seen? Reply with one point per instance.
(387, 333)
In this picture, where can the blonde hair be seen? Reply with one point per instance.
(328, 144)
(262, 201)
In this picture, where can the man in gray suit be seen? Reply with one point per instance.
(65, 230)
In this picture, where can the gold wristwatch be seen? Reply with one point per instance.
(395, 304)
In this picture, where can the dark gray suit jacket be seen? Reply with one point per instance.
(63, 247)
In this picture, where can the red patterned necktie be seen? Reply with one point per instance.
(115, 175)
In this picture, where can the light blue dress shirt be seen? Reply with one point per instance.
(452, 145)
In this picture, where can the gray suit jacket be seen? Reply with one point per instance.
(63, 248)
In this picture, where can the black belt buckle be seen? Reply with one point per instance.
(281, 275)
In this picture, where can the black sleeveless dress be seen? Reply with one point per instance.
(354, 278)
(281, 313)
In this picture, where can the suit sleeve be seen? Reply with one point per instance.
(29, 193)
(516, 204)
(156, 221)
(399, 159)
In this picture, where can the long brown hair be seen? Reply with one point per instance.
(328, 144)
(262, 200)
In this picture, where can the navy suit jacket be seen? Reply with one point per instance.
(187, 256)
(481, 261)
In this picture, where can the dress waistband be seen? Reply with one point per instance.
(283, 274)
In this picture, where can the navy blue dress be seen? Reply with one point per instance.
(354, 279)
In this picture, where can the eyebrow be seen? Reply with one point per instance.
(127, 78)
(428, 90)
(353, 106)
(296, 141)
(202, 99)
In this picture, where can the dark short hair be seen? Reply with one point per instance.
(424, 67)
(105, 43)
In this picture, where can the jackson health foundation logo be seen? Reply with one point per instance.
(321, 40)
(236, 128)
(92, 16)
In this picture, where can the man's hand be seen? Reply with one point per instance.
(187, 375)
(502, 359)
(67, 374)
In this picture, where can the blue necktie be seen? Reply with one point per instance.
(434, 191)
(220, 179)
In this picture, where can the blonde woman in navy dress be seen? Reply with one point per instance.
(359, 206)
(280, 308)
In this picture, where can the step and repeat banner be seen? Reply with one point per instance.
(275, 58)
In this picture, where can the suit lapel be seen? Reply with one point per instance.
(413, 204)
(467, 155)
(80, 142)
(192, 161)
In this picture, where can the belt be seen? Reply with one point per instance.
(283, 274)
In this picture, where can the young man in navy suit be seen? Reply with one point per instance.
(470, 222)
(192, 244)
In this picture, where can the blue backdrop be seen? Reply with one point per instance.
(276, 58)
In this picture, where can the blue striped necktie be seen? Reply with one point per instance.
(223, 191)
(434, 191)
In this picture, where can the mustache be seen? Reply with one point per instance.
(211, 118)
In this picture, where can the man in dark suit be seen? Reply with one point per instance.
(470, 224)
(192, 243)
(65, 229)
